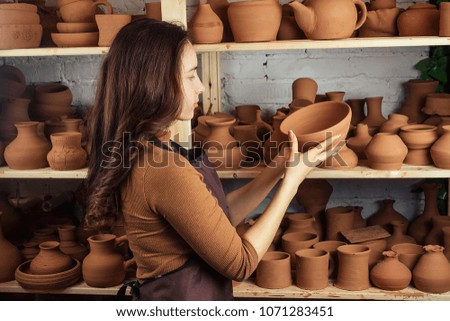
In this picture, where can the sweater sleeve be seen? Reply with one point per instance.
(178, 193)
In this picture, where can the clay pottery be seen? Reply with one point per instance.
(201, 131)
(421, 225)
(446, 234)
(30, 250)
(376, 250)
(219, 136)
(318, 20)
(444, 19)
(331, 248)
(44, 234)
(44, 112)
(408, 253)
(289, 30)
(357, 107)
(390, 274)
(83, 11)
(12, 82)
(153, 10)
(359, 142)
(314, 123)
(69, 244)
(220, 7)
(435, 236)
(50, 259)
(394, 123)
(417, 91)
(375, 116)
(11, 257)
(437, 104)
(304, 89)
(338, 219)
(246, 114)
(335, 95)
(398, 235)
(353, 271)
(345, 158)
(227, 158)
(66, 153)
(109, 25)
(440, 153)
(300, 222)
(381, 23)
(76, 27)
(386, 152)
(252, 21)
(20, 36)
(432, 271)
(274, 271)
(418, 138)
(311, 269)
(386, 216)
(420, 19)
(263, 128)
(381, 4)
(273, 144)
(292, 242)
(28, 150)
(11, 112)
(206, 26)
(358, 220)
(53, 126)
(79, 39)
(104, 266)
(53, 94)
(247, 138)
(72, 124)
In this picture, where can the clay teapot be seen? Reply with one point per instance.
(318, 18)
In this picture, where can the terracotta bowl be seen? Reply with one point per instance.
(19, 7)
(53, 94)
(20, 36)
(79, 39)
(437, 104)
(76, 27)
(317, 122)
(43, 282)
(418, 136)
(18, 17)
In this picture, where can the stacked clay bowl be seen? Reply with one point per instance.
(315, 123)
(19, 26)
(44, 282)
(51, 100)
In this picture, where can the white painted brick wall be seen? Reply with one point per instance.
(265, 78)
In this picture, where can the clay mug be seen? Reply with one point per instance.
(83, 11)
(109, 25)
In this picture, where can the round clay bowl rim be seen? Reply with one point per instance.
(48, 245)
(76, 27)
(418, 128)
(293, 237)
(100, 238)
(51, 88)
(314, 112)
(311, 252)
(275, 256)
(67, 39)
(347, 249)
(408, 248)
(319, 245)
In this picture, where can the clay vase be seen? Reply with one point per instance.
(394, 123)
(205, 26)
(104, 266)
(353, 271)
(331, 248)
(11, 257)
(28, 150)
(357, 107)
(420, 19)
(398, 235)
(50, 259)
(219, 135)
(381, 23)
(432, 271)
(66, 153)
(274, 271)
(421, 225)
(220, 7)
(377, 247)
(375, 116)
(11, 112)
(335, 95)
(440, 153)
(246, 114)
(338, 219)
(417, 91)
(386, 216)
(311, 269)
(277, 138)
(359, 142)
(246, 22)
(292, 242)
(390, 274)
(304, 89)
(435, 236)
(68, 243)
(418, 138)
(408, 253)
(386, 152)
(109, 25)
(446, 234)
(444, 19)
(301, 222)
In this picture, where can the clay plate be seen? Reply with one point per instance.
(81, 39)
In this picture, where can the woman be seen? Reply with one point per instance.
(179, 223)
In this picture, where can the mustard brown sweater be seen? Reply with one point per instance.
(169, 213)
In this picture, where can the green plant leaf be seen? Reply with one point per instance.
(439, 74)
(423, 65)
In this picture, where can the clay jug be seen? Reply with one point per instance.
(276, 139)
(420, 226)
(357, 107)
(417, 91)
(50, 259)
(394, 123)
(398, 235)
(446, 234)
(68, 243)
(331, 248)
(432, 271)
(205, 26)
(11, 257)
(311, 269)
(274, 271)
(386, 152)
(440, 153)
(408, 253)
(380, 23)
(220, 7)
(435, 236)
(11, 112)
(28, 150)
(66, 153)
(353, 271)
(318, 18)
(390, 274)
(219, 135)
(386, 216)
(375, 116)
(339, 219)
(359, 142)
(420, 19)
(104, 266)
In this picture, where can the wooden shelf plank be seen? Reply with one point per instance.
(379, 42)
(42, 173)
(248, 289)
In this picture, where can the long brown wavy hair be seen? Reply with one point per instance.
(138, 96)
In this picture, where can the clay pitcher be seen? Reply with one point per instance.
(318, 18)
(11, 257)
(104, 266)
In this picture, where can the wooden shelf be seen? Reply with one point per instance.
(42, 173)
(379, 42)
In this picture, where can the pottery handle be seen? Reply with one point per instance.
(128, 263)
(121, 239)
(109, 8)
(363, 16)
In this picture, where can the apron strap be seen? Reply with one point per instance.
(134, 285)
